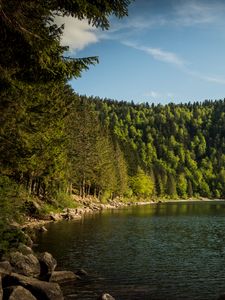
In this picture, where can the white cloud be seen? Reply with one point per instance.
(208, 78)
(77, 34)
(158, 97)
(191, 13)
(152, 94)
(159, 54)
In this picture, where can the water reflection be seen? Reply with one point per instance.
(160, 251)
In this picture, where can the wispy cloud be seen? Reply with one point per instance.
(152, 94)
(158, 54)
(192, 13)
(208, 78)
(174, 59)
(77, 34)
(157, 97)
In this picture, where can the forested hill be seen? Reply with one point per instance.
(179, 149)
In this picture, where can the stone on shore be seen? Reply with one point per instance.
(17, 293)
(71, 214)
(106, 297)
(62, 276)
(56, 217)
(27, 265)
(40, 289)
(25, 250)
(47, 263)
(5, 268)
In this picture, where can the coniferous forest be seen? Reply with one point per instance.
(55, 143)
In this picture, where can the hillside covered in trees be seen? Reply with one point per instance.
(169, 151)
(181, 147)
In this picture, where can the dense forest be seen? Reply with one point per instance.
(38, 108)
(55, 143)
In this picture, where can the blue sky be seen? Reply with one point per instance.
(164, 51)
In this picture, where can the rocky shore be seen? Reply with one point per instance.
(25, 275)
(85, 206)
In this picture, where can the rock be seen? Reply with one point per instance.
(81, 272)
(56, 217)
(40, 289)
(5, 268)
(106, 297)
(43, 229)
(27, 265)
(62, 276)
(72, 214)
(27, 239)
(47, 263)
(1, 291)
(25, 250)
(17, 293)
(221, 297)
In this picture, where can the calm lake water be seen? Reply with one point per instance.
(161, 251)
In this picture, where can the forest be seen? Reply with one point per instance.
(56, 143)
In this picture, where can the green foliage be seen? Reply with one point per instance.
(141, 184)
(64, 200)
(183, 144)
(38, 55)
(12, 199)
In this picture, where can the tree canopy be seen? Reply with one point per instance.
(30, 49)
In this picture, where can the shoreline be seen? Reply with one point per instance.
(88, 206)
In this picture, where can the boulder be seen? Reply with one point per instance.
(71, 214)
(47, 263)
(56, 217)
(25, 250)
(28, 239)
(1, 291)
(17, 293)
(40, 289)
(62, 276)
(5, 268)
(27, 265)
(43, 229)
(106, 297)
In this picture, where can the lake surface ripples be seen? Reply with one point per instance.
(161, 251)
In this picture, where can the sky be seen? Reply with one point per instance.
(164, 51)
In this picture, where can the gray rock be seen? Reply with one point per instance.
(40, 289)
(1, 291)
(106, 297)
(43, 229)
(5, 268)
(17, 293)
(25, 250)
(47, 263)
(28, 239)
(71, 214)
(62, 276)
(56, 217)
(27, 265)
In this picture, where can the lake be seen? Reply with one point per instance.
(161, 251)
